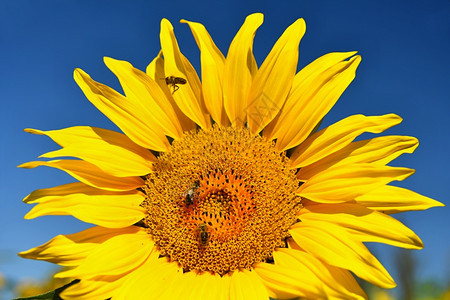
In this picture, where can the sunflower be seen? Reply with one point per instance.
(225, 188)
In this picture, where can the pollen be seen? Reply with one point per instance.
(220, 199)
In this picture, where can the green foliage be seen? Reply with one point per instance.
(429, 289)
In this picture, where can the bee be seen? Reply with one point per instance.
(204, 235)
(173, 81)
(189, 194)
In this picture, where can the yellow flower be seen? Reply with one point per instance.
(224, 188)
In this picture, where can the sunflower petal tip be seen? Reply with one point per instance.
(107, 59)
(31, 164)
(29, 216)
(300, 25)
(437, 204)
(391, 285)
(395, 116)
(165, 23)
(23, 254)
(114, 64)
(59, 275)
(301, 22)
(26, 199)
(78, 73)
(34, 131)
(408, 172)
(24, 165)
(420, 244)
(256, 17)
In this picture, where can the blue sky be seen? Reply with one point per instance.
(405, 70)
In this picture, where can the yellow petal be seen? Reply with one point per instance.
(221, 287)
(366, 224)
(212, 64)
(156, 72)
(50, 194)
(192, 285)
(299, 271)
(89, 174)
(184, 287)
(378, 151)
(343, 283)
(286, 283)
(392, 199)
(211, 287)
(333, 245)
(91, 206)
(336, 282)
(103, 288)
(347, 284)
(111, 159)
(150, 280)
(76, 135)
(245, 285)
(273, 81)
(72, 249)
(124, 114)
(111, 151)
(116, 256)
(345, 183)
(144, 93)
(240, 67)
(337, 136)
(188, 96)
(315, 89)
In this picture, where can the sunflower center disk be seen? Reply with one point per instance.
(220, 199)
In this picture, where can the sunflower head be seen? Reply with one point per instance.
(209, 205)
(225, 187)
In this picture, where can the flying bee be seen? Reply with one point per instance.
(204, 235)
(173, 81)
(189, 194)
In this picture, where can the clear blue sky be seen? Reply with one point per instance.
(405, 47)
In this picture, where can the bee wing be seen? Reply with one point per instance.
(180, 80)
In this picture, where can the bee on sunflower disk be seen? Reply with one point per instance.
(189, 193)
